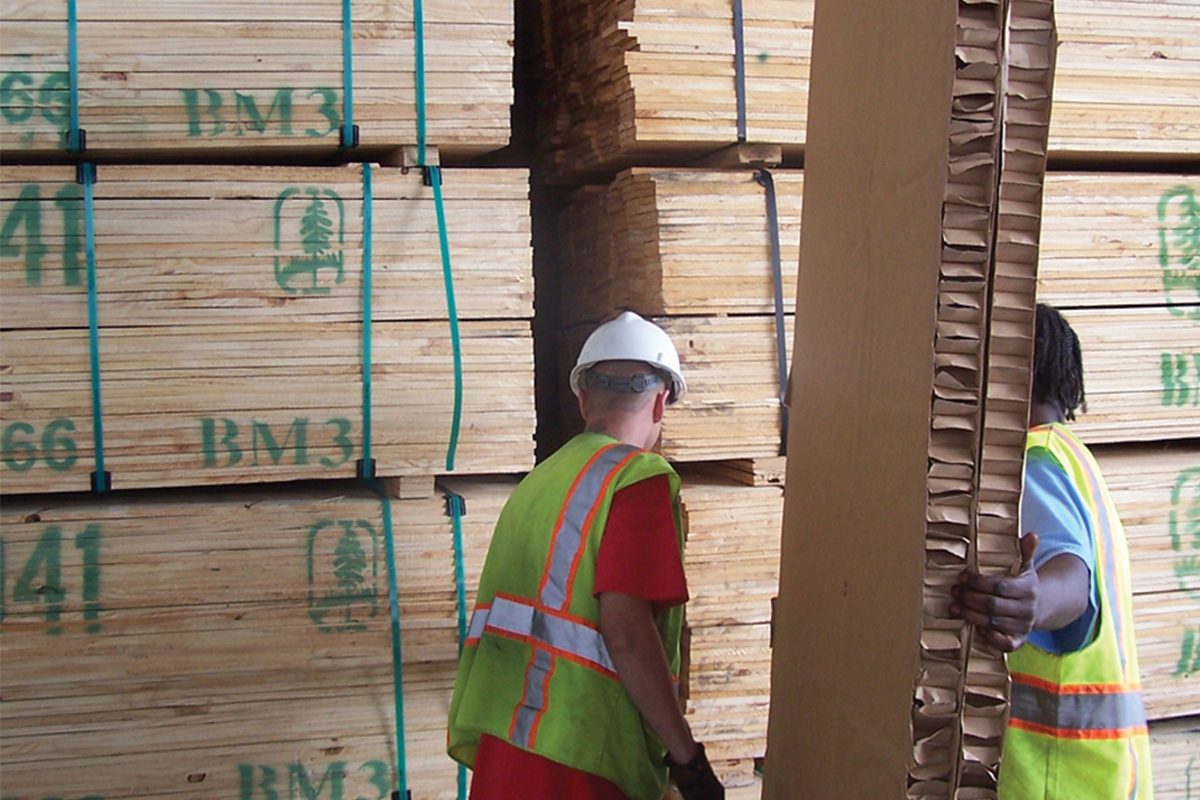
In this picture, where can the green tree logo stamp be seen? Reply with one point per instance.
(310, 233)
(1179, 250)
(343, 587)
(1183, 526)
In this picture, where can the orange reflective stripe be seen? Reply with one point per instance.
(562, 514)
(1082, 734)
(587, 524)
(1075, 688)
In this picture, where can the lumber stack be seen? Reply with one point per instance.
(1120, 239)
(1173, 748)
(232, 324)
(644, 82)
(640, 81)
(679, 242)
(1157, 493)
(182, 665)
(733, 534)
(1128, 79)
(192, 78)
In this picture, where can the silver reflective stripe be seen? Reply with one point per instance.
(534, 701)
(569, 537)
(567, 635)
(479, 619)
(1084, 712)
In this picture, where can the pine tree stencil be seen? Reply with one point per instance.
(316, 228)
(1179, 249)
(349, 566)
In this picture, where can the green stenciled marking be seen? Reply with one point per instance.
(1179, 249)
(1183, 527)
(320, 239)
(300, 785)
(223, 442)
(89, 543)
(23, 101)
(1180, 379)
(261, 432)
(263, 782)
(235, 112)
(343, 574)
(1189, 654)
(46, 560)
(21, 232)
(341, 438)
(1187, 777)
(249, 117)
(25, 215)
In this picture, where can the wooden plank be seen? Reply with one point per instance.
(1141, 373)
(231, 315)
(171, 78)
(1120, 240)
(211, 642)
(1175, 757)
(646, 81)
(675, 242)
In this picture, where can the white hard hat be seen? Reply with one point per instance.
(631, 338)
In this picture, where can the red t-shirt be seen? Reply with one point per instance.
(639, 556)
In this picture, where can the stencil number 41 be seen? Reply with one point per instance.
(40, 579)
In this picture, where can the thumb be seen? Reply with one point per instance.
(1029, 543)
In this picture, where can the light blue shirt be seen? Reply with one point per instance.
(1052, 508)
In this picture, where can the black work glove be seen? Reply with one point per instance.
(695, 779)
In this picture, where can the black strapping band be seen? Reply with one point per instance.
(767, 181)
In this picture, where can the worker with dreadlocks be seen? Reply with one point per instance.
(1078, 726)
(566, 684)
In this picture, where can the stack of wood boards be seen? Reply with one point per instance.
(193, 77)
(635, 81)
(150, 652)
(677, 242)
(1173, 749)
(231, 323)
(645, 81)
(1120, 239)
(733, 534)
(1128, 79)
(732, 408)
(1157, 494)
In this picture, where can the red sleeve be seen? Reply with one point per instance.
(639, 554)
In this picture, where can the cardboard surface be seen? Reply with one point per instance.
(867, 292)
(910, 390)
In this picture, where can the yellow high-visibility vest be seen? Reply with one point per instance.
(1077, 729)
(535, 671)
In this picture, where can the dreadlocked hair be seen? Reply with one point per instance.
(1057, 362)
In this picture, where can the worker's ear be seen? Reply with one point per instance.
(583, 404)
(660, 405)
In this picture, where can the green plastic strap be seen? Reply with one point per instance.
(434, 175)
(87, 176)
(419, 57)
(74, 140)
(456, 506)
(389, 544)
(368, 223)
(347, 76)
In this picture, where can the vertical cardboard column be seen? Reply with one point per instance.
(910, 391)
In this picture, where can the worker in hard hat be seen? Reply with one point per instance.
(1078, 725)
(566, 686)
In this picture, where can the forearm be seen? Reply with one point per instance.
(1063, 590)
(637, 653)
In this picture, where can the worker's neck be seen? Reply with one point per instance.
(1043, 413)
(624, 428)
